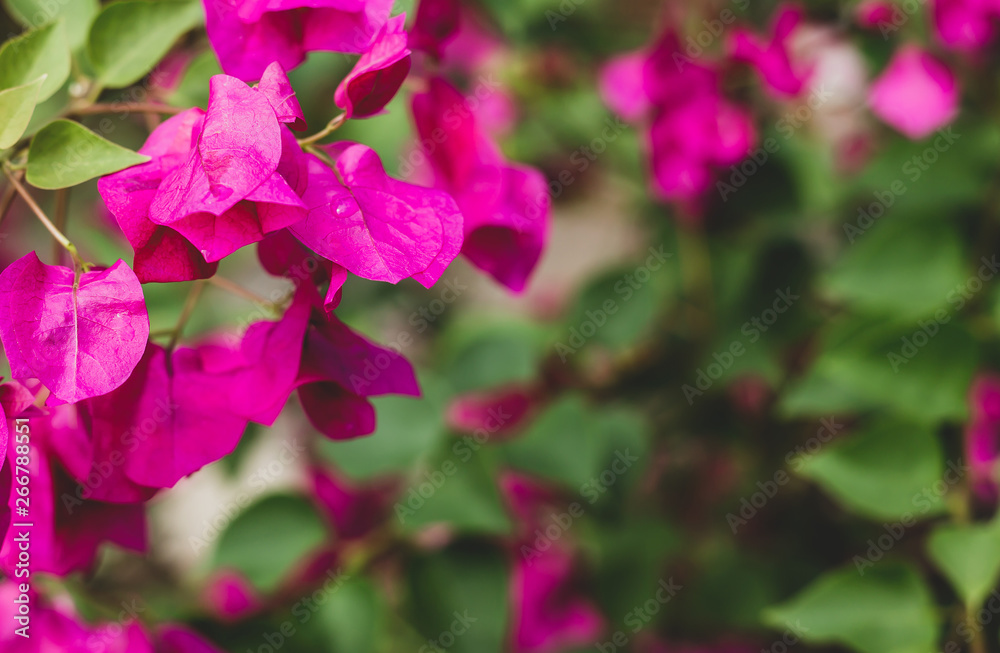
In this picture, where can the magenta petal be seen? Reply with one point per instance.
(238, 150)
(344, 27)
(355, 510)
(773, 60)
(376, 227)
(916, 94)
(966, 25)
(436, 23)
(335, 412)
(547, 620)
(80, 338)
(623, 85)
(177, 639)
(278, 91)
(378, 74)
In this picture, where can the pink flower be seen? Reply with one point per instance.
(916, 94)
(547, 616)
(375, 226)
(340, 369)
(982, 437)
(967, 25)
(80, 336)
(247, 35)
(505, 206)
(378, 74)
(354, 509)
(217, 181)
(496, 413)
(231, 597)
(773, 59)
(436, 23)
(875, 13)
(68, 526)
(693, 129)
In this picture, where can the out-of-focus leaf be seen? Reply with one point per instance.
(269, 539)
(890, 470)
(352, 618)
(889, 609)
(42, 51)
(16, 106)
(193, 88)
(970, 557)
(128, 38)
(65, 153)
(408, 430)
(77, 15)
(451, 588)
(487, 358)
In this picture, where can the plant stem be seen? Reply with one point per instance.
(125, 107)
(62, 206)
(331, 127)
(186, 311)
(8, 196)
(58, 235)
(231, 287)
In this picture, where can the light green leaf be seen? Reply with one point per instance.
(891, 470)
(130, 37)
(16, 106)
(77, 15)
(352, 617)
(270, 538)
(44, 51)
(889, 609)
(65, 153)
(408, 430)
(970, 557)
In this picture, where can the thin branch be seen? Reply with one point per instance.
(186, 311)
(58, 235)
(125, 107)
(9, 194)
(62, 206)
(331, 127)
(231, 287)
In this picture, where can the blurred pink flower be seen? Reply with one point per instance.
(773, 59)
(982, 436)
(496, 412)
(966, 25)
(874, 13)
(916, 94)
(230, 596)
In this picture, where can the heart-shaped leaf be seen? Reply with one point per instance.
(65, 153)
(80, 336)
(129, 38)
(970, 557)
(16, 106)
(44, 51)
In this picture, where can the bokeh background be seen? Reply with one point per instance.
(746, 418)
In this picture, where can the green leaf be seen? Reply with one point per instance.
(901, 268)
(77, 16)
(459, 490)
(451, 588)
(43, 51)
(920, 370)
(491, 357)
(194, 85)
(65, 153)
(408, 430)
(16, 106)
(891, 470)
(595, 437)
(269, 540)
(889, 609)
(970, 557)
(130, 37)
(352, 617)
